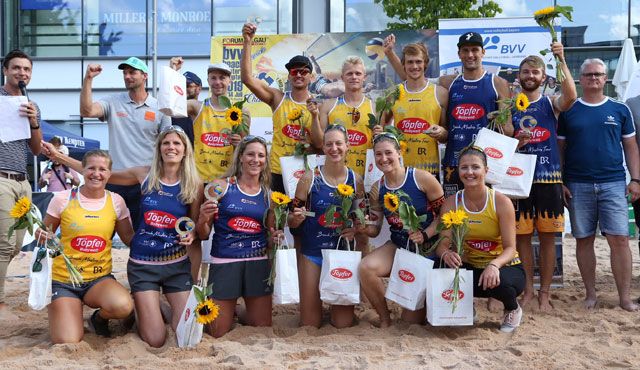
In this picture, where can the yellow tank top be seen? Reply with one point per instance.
(483, 242)
(86, 239)
(212, 150)
(287, 133)
(413, 115)
(358, 131)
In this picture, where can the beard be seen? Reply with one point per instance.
(531, 85)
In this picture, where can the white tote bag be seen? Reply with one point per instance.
(371, 173)
(439, 293)
(293, 170)
(408, 279)
(339, 281)
(499, 150)
(172, 93)
(40, 282)
(189, 331)
(285, 284)
(517, 183)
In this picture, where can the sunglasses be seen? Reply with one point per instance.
(385, 135)
(592, 75)
(355, 116)
(299, 71)
(472, 147)
(37, 264)
(335, 127)
(251, 138)
(172, 128)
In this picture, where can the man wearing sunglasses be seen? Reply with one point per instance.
(286, 133)
(134, 123)
(592, 136)
(213, 144)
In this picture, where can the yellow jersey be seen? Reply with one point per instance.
(483, 241)
(413, 114)
(86, 239)
(286, 133)
(212, 150)
(355, 120)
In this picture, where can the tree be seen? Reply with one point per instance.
(424, 14)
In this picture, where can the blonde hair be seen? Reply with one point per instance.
(352, 60)
(96, 153)
(189, 179)
(416, 49)
(235, 168)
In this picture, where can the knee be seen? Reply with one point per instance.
(155, 339)
(119, 307)
(66, 337)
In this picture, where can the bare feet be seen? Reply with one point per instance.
(543, 301)
(628, 305)
(494, 305)
(590, 302)
(526, 298)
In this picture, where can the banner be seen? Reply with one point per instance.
(327, 51)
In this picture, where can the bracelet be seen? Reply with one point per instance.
(637, 181)
(445, 253)
(35, 128)
(494, 265)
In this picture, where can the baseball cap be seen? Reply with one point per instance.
(224, 67)
(192, 78)
(136, 63)
(470, 38)
(299, 60)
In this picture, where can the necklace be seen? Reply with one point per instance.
(472, 206)
(332, 180)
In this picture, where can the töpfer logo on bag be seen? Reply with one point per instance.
(493, 152)
(298, 174)
(214, 139)
(356, 138)
(468, 112)
(159, 219)
(447, 295)
(293, 132)
(413, 125)
(341, 273)
(187, 313)
(178, 89)
(245, 225)
(370, 169)
(406, 276)
(88, 244)
(514, 171)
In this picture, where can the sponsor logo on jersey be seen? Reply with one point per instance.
(245, 225)
(356, 138)
(413, 125)
(88, 244)
(214, 139)
(468, 112)
(482, 245)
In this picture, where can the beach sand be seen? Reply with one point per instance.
(569, 338)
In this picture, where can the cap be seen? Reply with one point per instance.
(470, 38)
(299, 60)
(63, 149)
(136, 63)
(224, 67)
(192, 78)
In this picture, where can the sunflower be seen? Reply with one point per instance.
(403, 147)
(233, 116)
(401, 92)
(206, 312)
(459, 216)
(21, 208)
(391, 202)
(294, 114)
(544, 11)
(279, 198)
(345, 190)
(448, 219)
(522, 102)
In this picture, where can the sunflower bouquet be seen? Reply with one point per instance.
(398, 202)
(384, 103)
(545, 18)
(500, 117)
(24, 213)
(458, 222)
(341, 213)
(234, 116)
(281, 211)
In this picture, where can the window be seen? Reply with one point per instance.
(50, 27)
(116, 27)
(230, 15)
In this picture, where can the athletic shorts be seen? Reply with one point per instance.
(240, 279)
(170, 278)
(60, 289)
(542, 211)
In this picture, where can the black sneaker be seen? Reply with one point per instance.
(99, 325)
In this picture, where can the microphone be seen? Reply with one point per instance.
(23, 89)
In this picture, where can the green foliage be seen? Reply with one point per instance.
(421, 14)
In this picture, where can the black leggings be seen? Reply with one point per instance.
(512, 283)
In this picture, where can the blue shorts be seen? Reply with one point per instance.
(604, 203)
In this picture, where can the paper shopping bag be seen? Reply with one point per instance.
(189, 331)
(499, 150)
(40, 282)
(285, 284)
(339, 281)
(372, 173)
(408, 279)
(517, 183)
(293, 169)
(172, 93)
(439, 293)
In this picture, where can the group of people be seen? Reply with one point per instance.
(157, 173)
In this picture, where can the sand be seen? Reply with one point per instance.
(569, 338)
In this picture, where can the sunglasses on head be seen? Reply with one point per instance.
(385, 135)
(251, 138)
(172, 128)
(335, 127)
(299, 71)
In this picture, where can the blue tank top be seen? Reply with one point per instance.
(418, 200)
(541, 121)
(316, 234)
(469, 104)
(239, 228)
(156, 240)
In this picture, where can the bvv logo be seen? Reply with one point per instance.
(493, 43)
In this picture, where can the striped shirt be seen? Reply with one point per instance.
(14, 155)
